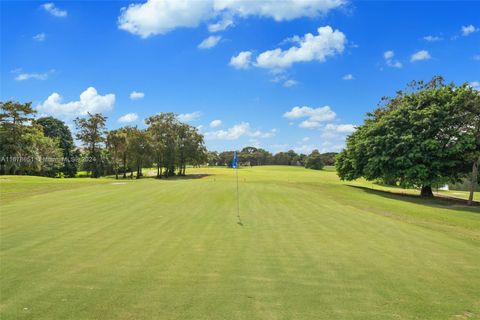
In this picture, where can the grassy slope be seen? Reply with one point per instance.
(309, 248)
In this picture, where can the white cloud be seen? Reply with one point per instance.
(90, 101)
(348, 77)
(22, 76)
(388, 56)
(305, 139)
(304, 148)
(242, 60)
(209, 42)
(340, 128)
(128, 118)
(261, 134)
(53, 10)
(161, 16)
(28, 76)
(289, 83)
(135, 95)
(187, 117)
(320, 114)
(39, 37)
(432, 38)
(215, 123)
(254, 143)
(278, 10)
(420, 55)
(237, 131)
(310, 124)
(284, 80)
(475, 85)
(221, 25)
(467, 30)
(311, 47)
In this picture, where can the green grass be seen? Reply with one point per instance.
(310, 247)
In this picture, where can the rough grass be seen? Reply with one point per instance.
(309, 247)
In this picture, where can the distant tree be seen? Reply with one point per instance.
(328, 158)
(162, 128)
(191, 148)
(183, 141)
(15, 122)
(24, 149)
(247, 156)
(225, 158)
(289, 158)
(213, 158)
(416, 139)
(49, 156)
(91, 131)
(57, 129)
(140, 150)
(314, 161)
(117, 147)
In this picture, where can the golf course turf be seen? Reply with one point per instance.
(307, 246)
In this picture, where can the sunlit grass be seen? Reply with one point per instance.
(308, 247)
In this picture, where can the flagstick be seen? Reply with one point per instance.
(238, 199)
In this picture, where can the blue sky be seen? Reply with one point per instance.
(297, 76)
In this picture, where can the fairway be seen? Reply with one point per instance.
(308, 247)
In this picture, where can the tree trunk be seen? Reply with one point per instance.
(116, 173)
(158, 171)
(124, 165)
(426, 192)
(473, 183)
(138, 171)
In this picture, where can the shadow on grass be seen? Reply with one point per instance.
(438, 202)
(186, 177)
(172, 178)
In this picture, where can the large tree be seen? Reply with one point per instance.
(415, 139)
(471, 121)
(57, 129)
(24, 149)
(162, 130)
(191, 148)
(15, 122)
(91, 131)
(140, 150)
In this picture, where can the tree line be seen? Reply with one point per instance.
(425, 136)
(45, 146)
(251, 156)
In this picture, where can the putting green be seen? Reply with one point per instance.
(310, 247)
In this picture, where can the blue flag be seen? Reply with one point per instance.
(234, 161)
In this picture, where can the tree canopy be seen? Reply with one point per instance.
(419, 138)
(58, 130)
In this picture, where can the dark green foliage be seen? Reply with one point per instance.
(419, 138)
(314, 161)
(117, 147)
(57, 129)
(174, 144)
(24, 149)
(328, 158)
(251, 156)
(91, 131)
